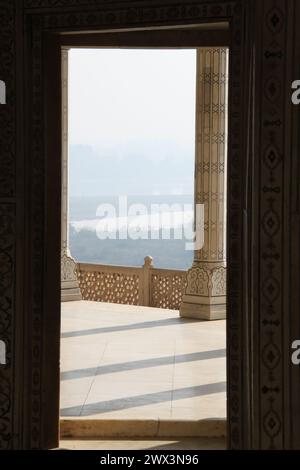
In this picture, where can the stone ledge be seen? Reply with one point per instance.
(139, 428)
(70, 294)
(202, 311)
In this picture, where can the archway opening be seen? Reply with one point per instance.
(187, 382)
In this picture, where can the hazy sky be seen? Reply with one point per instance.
(131, 121)
(123, 96)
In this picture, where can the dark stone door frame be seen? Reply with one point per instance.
(45, 32)
(263, 310)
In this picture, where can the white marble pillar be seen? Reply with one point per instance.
(69, 282)
(205, 294)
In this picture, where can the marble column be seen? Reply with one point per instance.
(69, 282)
(205, 293)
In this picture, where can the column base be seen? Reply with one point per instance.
(70, 291)
(69, 283)
(203, 309)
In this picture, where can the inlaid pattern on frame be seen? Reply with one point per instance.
(7, 218)
(271, 241)
(129, 16)
(269, 133)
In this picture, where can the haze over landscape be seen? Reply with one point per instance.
(131, 133)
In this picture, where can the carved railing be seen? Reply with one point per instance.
(147, 286)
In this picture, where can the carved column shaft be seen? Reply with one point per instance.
(205, 294)
(69, 282)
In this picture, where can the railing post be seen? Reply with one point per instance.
(146, 280)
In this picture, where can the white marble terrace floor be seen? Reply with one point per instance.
(125, 362)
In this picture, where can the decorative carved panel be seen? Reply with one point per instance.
(7, 218)
(8, 110)
(269, 314)
(108, 285)
(147, 286)
(205, 281)
(166, 289)
(7, 294)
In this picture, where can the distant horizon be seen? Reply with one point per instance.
(91, 173)
(143, 195)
